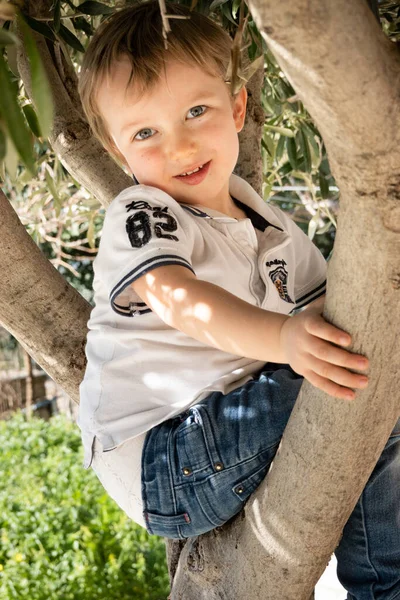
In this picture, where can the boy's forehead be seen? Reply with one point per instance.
(177, 83)
(188, 78)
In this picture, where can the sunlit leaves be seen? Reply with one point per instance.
(15, 122)
(41, 91)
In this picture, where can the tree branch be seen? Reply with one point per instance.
(37, 305)
(71, 138)
(342, 67)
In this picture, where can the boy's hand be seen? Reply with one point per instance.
(311, 346)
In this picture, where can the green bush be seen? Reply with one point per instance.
(62, 537)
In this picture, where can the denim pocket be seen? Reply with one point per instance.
(194, 443)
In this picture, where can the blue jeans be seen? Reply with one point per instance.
(199, 468)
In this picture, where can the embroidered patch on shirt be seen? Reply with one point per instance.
(279, 277)
(141, 226)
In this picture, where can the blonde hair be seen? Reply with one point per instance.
(136, 32)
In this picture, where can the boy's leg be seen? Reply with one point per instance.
(369, 552)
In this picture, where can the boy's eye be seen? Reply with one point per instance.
(197, 111)
(143, 134)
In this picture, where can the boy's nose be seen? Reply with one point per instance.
(181, 147)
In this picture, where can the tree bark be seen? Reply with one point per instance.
(248, 166)
(44, 312)
(346, 73)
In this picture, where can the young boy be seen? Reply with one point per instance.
(194, 359)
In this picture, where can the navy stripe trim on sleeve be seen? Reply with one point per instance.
(298, 306)
(314, 291)
(314, 295)
(138, 308)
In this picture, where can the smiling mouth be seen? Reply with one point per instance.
(196, 170)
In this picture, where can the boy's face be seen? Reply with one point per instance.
(186, 120)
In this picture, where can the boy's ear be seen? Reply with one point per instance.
(239, 108)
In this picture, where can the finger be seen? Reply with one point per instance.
(339, 375)
(331, 388)
(337, 356)
(320, 328)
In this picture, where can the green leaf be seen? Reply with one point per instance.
(328, 225)
(70, 38)
(94, 8)
(292, 152)
(91, 233)
(253, 67)
(268, 145)
(305, 148)
(279, 149)
(324, 185)
(57, 15)
(15, 122)
(3, 145)
(312, 226)
(11, 160)
(40, 27)
(226, 11)
(281, 130)
(314, 147)
(81, 24)
(32, 119)
(7, 38)
(217, 4)
(53, 191)
(41, 92)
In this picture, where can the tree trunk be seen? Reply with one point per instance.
(334, 54)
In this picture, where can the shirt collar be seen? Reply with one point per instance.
(248, 200)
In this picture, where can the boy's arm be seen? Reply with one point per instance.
(216, 317)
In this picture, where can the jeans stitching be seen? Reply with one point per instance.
(182, 485)
(364, 524)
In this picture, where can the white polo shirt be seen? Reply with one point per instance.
(141, 372)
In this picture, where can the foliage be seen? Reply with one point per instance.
(61, 534)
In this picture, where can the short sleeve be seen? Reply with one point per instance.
(144, 228)
(310, 265)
